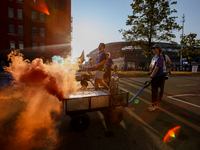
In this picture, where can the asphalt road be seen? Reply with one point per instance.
(139, 129)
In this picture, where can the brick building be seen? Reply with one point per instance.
(38, 28)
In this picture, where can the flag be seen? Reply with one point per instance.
(81, 58)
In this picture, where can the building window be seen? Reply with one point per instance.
(34, 31)
(61, 20)
(34, 15)
(61, 5)
(41, 2)
(11, 29)
(54, 3)
(18, 0)
(42, 32)
(20, 30)
(34, 44)
(33, 1)
(19, 14)
(10, 12)
(12, 45)
(42, 46)
(55, 20)
(21, 45)
(42, 17)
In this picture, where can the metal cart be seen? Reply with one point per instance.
(79, 103)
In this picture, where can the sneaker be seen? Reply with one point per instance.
(151, 108)
(156, 106)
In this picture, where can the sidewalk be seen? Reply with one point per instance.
(145, 73)
(131, 73)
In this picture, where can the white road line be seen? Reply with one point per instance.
(139, 119)
(196, 127)
(122, 123)
(102, 119)
(172, 97)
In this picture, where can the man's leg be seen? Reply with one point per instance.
(160, 95)
(96, 84)
(103, 83)
(96, 81)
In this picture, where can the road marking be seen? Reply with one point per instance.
(139, 119)
(196, 127)
(185, 85)
(102, 119)
(172, 97)
(122, 123)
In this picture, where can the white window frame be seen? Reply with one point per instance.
(20, 30)
(42, 17)
(10, 12)
(34, 46)
(12, 45)
(21, 45)
(42, 47)
(19, 14)
(42, 32)
(34, 15)
(34, 31)
(11, 29)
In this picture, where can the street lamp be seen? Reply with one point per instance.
(181, 39)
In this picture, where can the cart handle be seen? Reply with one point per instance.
(145, 85)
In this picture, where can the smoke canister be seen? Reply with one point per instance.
(114, 83)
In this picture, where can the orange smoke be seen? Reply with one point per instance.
(33, 100)
(56, 79)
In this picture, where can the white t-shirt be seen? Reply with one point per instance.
(89, 64)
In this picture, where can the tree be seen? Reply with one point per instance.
(151, 20)
(191, 47)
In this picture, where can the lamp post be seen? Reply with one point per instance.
(181, 39)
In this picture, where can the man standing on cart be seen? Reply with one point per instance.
(100, 67)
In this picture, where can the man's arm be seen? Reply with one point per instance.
(101, 63)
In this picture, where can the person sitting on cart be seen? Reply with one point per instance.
(157, 75)
(100, 67)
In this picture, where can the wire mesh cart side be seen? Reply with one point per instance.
(78, 104)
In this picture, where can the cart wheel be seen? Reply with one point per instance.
(80, 122)
(113, 115)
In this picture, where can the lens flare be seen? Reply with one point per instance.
(172, 134)
(136, 101)
(57, 59)
(40, 6)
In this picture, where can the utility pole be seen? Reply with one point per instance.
(183, 20)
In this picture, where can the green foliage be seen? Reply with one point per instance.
(192, 48)
(152, 20)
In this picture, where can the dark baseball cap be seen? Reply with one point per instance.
(156, 46)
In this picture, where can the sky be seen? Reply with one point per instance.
(97, 21)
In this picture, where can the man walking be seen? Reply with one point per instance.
(107, 74)
(100, 67)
